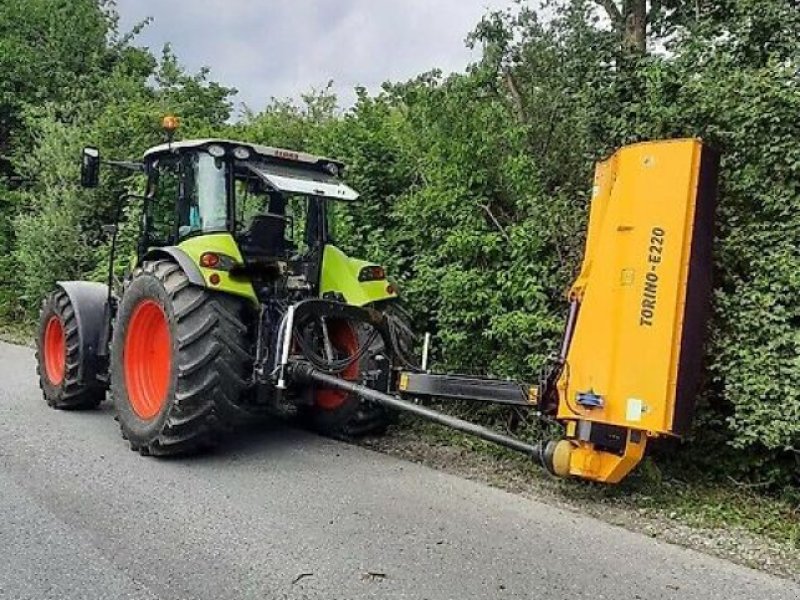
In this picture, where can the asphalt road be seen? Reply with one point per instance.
(284, 514)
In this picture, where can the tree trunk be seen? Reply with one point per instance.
(634, 37)
(516, 97)
(629, 22)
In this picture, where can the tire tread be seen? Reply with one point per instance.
(72, 394)
(211, 361)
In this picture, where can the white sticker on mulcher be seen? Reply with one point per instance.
(634, 410)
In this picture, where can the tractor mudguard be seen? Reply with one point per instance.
(90, 302)
(189, 253)
(341, 277)
(185, 261)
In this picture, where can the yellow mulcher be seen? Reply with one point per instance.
(631, 358)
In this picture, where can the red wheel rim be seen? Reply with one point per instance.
(147, 359)
(345, 343)
(55, 351)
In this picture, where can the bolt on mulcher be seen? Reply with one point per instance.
(238, 303)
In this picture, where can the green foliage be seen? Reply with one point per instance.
(474, 185)
(85, 85)
(50, 51)
(729, 75)
(50, 241)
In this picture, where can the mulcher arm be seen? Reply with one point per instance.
(631, 356)
(305, 373)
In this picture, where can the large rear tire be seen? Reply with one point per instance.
(59, 358)
(179, 362)
(335, 413)
(343, 415)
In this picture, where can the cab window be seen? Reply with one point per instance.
(204, 203)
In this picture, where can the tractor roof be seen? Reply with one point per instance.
(284, 170)
(267, 152)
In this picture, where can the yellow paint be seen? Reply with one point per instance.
(624, 348)
(562, 458)
(587, 462)
(403, 385)
(533, 394)
(340, 276)
(222, 243)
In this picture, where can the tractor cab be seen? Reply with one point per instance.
(273, 202)
(249, 220)
(270, 208)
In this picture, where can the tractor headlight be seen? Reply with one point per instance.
(241, 153)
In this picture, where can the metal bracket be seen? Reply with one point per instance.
(288, 329)
(462, 387)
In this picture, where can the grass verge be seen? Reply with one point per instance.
(21, 333)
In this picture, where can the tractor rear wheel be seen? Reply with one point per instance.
(59, 358)
(343, 415)
(179, 362)
(336, 413)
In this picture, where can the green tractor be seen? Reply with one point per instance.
(235, 272)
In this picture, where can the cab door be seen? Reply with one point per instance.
(161, 207)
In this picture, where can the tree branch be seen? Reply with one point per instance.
(497, 224)
(613, 12)
(516, 97)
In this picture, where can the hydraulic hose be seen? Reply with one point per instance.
(333, 366)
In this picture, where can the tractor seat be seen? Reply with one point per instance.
(266, 237)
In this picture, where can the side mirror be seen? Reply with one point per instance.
(90, 167)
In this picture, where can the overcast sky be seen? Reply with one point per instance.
(283, 48)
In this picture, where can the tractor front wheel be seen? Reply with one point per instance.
(179, 362)
(60, 359)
